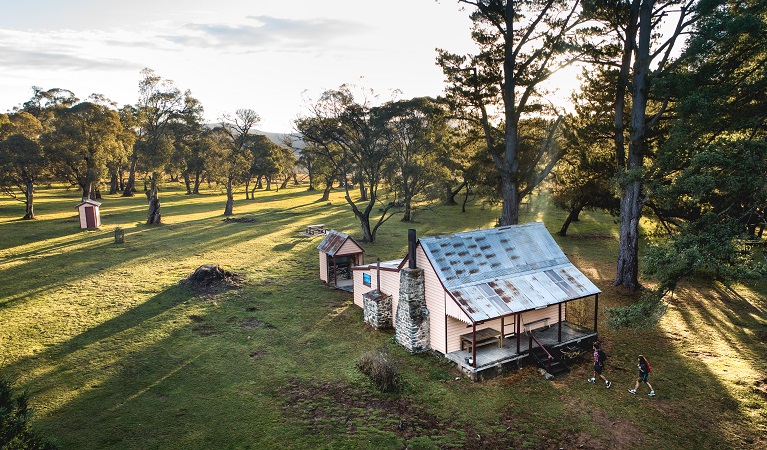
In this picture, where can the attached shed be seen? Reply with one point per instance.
(487, 296)
(90, 218)
(339, 253)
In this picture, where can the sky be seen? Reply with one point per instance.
(272, 56)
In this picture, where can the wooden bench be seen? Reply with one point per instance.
(485, 336)
(529, 326)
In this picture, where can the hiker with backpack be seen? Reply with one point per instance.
(644, 371)
(599, 363)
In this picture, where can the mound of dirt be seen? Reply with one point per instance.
(213, 275)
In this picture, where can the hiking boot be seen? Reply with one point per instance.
(591, 380)
(633, 391)
(651, 394)
(608, 384)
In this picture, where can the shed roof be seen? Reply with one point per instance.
(88, 202)
(500, 271)
(333, 242)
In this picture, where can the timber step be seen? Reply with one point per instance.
(556, 368)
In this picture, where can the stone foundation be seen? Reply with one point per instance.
(412, 330)
(377, 310)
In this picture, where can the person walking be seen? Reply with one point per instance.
(644, 372)
(599, 363)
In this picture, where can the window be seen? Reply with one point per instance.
(366, 279)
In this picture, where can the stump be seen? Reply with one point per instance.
(210, 275)
(119, 235)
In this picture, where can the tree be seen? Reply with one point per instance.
(707, 186)
(532, 40)
(82, 141)
(353, 137)
(22, 160)
(234, 161)
(160, 105)
(16, 416)
(644, 56)
(585, 178)
(417, 130)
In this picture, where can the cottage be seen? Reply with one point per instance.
(490, 300)
(90, 218)
(338, 254)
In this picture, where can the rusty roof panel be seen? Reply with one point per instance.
(514, 269)
(334, 241)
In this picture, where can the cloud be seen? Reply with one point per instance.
(52, 52)
(272, 33)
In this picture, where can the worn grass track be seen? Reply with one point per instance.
(117, 354)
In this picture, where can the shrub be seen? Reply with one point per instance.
(381, 368)
(16, 422)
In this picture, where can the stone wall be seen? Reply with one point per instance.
(412, 330)
(377, 310)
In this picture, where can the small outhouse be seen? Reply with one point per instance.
(90, 219)
(338, 253)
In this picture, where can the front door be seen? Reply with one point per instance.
(90, 217)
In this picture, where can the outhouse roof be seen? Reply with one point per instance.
(88, 202)
(333, 242)
(500, 271)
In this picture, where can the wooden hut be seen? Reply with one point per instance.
(487, 297)
(90, 218)
(338, 254)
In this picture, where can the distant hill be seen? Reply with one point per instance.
(279, 138)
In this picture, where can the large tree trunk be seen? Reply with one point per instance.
(229, 198)
(510, 208)
(247, 186)
(197, 181)
(153, 217)
(572, 217)
(87, 191)
(451, 193)
(628, 251)
(285, 183)
(130, 186)
(29, 194)
(113, 184)
(268, 183)
(187, 183)
(627, 273)
(363, 191)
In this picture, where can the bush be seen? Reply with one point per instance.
(381, 368)
(15, 422)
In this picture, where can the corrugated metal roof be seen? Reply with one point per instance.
(500, 271)
(333, 242)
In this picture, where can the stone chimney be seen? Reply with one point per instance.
(412, 328)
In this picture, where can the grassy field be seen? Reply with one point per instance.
(117, 354)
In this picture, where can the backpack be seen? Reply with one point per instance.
(601, 356)
(647, 363)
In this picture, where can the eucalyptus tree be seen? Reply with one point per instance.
(353, 136)
(234, 162)
(161, 104)
(521, 45)
(418, 131)
(22, 161)
(84, 137)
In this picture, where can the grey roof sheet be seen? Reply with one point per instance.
(501, 271)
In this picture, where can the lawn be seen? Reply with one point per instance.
(116, 353)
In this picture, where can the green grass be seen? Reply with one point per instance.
(117, 354)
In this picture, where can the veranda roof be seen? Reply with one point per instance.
(501, 271)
